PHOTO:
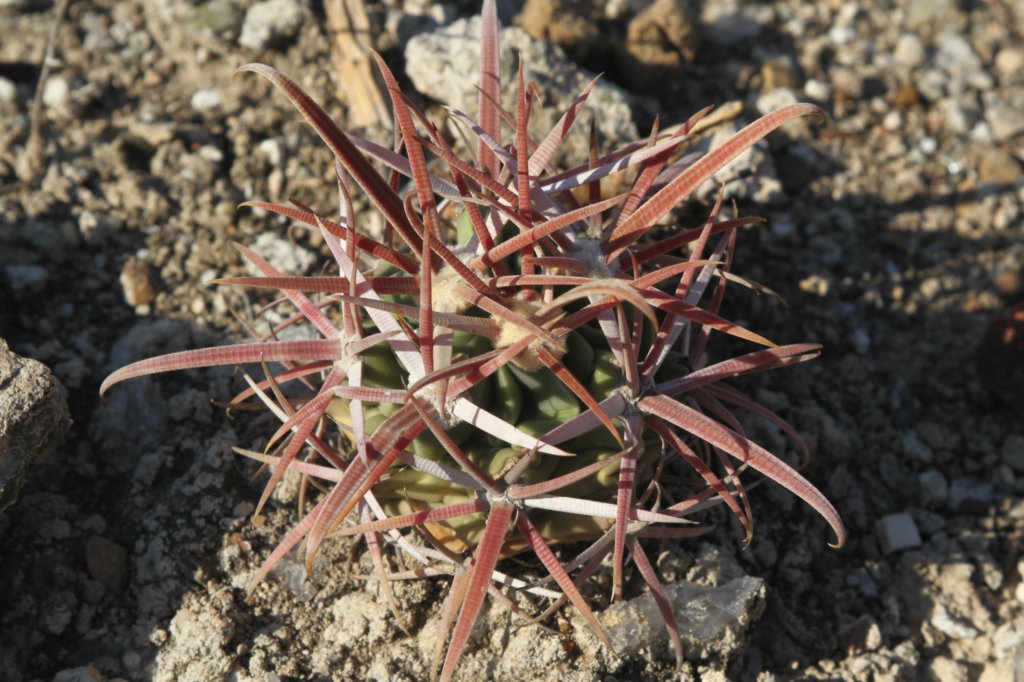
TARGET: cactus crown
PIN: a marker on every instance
(520, 362)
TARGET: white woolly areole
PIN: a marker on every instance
(510, 333)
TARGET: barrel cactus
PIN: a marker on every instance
(519, 365)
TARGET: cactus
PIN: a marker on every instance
(518, 365)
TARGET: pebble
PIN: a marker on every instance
(862, 580)
(731, 22)
(932, 84)
(815, 284)
(909, 51)
(897, 532)
(1004, 113)
(85, 673)
(708, 617)
(286, 256)
(24, 278)
(847, 81)
(1009, 64)
(957, 118)
(107, 563)
(216, 16)
(207, 101)
(952, 627)
(57, 95)
(861, 340)
(272, 24)
(136, 284)
(970, 496)
(998, 166)
(955, 56)
(920, 14)
(58, 610)
(861, 635)
(1012, 452)
(775, 99)
(8, 91)
(33, 419)
(817, 90)
(934, 488)
(944, 669)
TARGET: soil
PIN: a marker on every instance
(895, 234)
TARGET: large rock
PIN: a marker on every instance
(33, 419)
(710, 619)
(445, 66)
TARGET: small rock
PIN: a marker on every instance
(909, 51)
(952, 627)
(955, 56)
(932, 85)
(1009, 64)
(1009, 284)
(1012, 452)
(216, 16)
(272, 23)
(709, 618)
(1005, 121)
(817, 90)
(998, 166)
(58, 610)
(779, 72)
(862, 580)
(970, 496)
(892, 121)
(659, 41)
(916, 448)
(57, 95)
(775, 99)
(731, 22)
(85, 673)
(8, 91)
(444, 65)
(861, 635)
(136, 283)
(897, 532)
(24, 278)
(920, 14)
(847, 81)
(815, 284)
(934, 488)
(957, 118)
(207, 101)
(286, 256)
(942, 669)
(33, 419)
(570, 24)
(861, 340)
(107, 562)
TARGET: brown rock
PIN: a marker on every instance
(136, 283)
(659, 41)
(906, 96)
(570, 24)
(107, 562)
(998, 166)
(33, 419)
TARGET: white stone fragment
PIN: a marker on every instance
(897, 532)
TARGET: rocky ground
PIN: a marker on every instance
(895, 233)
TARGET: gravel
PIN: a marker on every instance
(127, 553)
